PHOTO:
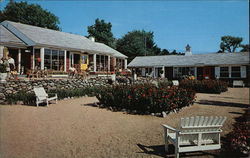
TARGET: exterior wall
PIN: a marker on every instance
(245, 80)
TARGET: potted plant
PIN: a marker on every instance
(3, 73)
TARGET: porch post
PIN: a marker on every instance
(33, 58)
(163, 74)
(154, 72)
(108, 63)
(125, 63)
(72, 61)
(19, 61)
(65, 60)
(42, 58)
(94, 58)
(1, 51)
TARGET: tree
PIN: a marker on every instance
(165, 52)
(102, 32)
(31, 14)
(245, 48)
(137, 43)
(230, 43)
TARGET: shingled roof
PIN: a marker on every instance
(9, 39)
(192, 60)
(109, 49)
(37, 36)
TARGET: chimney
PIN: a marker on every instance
(188, 50)
(92, 38)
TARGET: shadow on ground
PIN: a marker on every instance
(221, 103)
(159, 150)
(223, 97)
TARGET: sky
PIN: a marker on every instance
(199, 23)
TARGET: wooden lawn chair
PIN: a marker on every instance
(42, 96)
(195, 134)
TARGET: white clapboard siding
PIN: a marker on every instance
(243, 71)
(217, 71)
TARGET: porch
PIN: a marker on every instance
(59, 61)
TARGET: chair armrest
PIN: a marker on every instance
(203, 132)
(170, 128)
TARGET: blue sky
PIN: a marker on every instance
(174, 23)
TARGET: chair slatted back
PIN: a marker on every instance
(40, 93)
(201, 124)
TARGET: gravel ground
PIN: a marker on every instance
(72, 128)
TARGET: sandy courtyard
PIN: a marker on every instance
(73, 129)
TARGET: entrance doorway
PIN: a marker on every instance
(208, 72)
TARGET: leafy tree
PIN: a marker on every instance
(102, 32)
(245, 48)
(165, 52)
(137, 43)
(31, 14)
(230, 43)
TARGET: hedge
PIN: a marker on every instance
(145, 98)
(239, 138)
(30, 98)
(205, 86)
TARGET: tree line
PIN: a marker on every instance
(132, 44)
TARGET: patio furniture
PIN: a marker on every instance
(195, 134)
(33, 73)
(82, 75)
(42, 96)
(239, 83)
(175, 83)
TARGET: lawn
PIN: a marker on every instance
(75, 128)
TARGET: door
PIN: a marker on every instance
(207, 73)
(199, 73)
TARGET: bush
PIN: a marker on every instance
(145, 98)
(239, 138)
(205, 86)
(30, 98)
(26, 98)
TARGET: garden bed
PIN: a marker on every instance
(205, 86)
(145, 98)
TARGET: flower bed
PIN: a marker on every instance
(239, 138)
(205, 86)
(145, 98)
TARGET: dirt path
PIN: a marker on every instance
(73, 129)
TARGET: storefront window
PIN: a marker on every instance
(54, 59)
(37, 59)
(47, 58)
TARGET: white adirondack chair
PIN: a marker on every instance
(195, 134)
(175, 82)
(42, 96)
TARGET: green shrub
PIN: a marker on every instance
(205, 86)
(30, 98)
(238, 141)
(26, 98)
(145, 98)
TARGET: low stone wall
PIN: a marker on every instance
(12, 87)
